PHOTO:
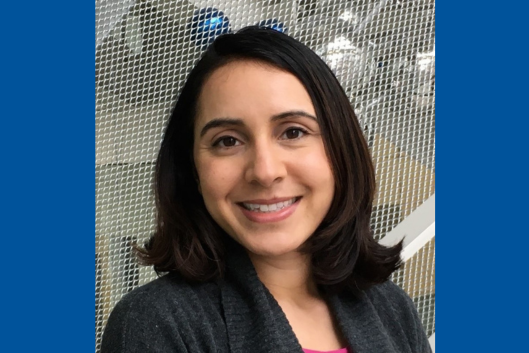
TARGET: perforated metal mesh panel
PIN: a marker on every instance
(383, 52)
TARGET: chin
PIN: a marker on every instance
(274, 247)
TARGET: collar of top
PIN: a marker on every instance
(256, 323)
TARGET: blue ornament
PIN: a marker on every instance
(274, 24)
(207, 24)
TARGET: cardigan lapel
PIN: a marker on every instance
(359, 322)
(256, 323)
(254, 320)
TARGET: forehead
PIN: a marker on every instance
(247, 89)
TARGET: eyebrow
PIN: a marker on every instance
(223, 122)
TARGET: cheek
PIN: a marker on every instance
(217, 179)
(316, 170)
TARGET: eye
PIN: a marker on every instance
(226, 142)
(293, 133)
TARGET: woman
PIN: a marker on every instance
(264, 189)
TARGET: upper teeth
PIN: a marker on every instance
(268, 208)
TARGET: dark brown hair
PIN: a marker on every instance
(189, 242)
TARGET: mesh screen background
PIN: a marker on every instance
(383, 53)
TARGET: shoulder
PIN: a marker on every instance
(165, 296)
(168, 291)
(398, 314)
(388, 295)
(156, 316)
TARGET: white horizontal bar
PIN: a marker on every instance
(416, 229)
(431, 340)
(413, 246)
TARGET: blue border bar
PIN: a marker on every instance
(481, 191)
(48, 177)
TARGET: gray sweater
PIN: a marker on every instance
(238, 314)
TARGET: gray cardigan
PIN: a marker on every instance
(239, 315)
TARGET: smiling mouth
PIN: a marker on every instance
(269, 208)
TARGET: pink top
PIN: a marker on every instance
(343, 350)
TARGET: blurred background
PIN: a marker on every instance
(383, 53)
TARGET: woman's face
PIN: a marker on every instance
(262, 167)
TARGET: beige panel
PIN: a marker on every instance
(401, 180)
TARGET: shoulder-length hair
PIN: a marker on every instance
(187, 239)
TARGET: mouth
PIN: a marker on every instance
(267, 207)
(267, 211)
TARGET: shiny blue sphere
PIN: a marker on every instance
(274, 24)
(207, 24)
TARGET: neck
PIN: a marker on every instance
(287, 277)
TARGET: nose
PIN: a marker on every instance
(266, 165)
